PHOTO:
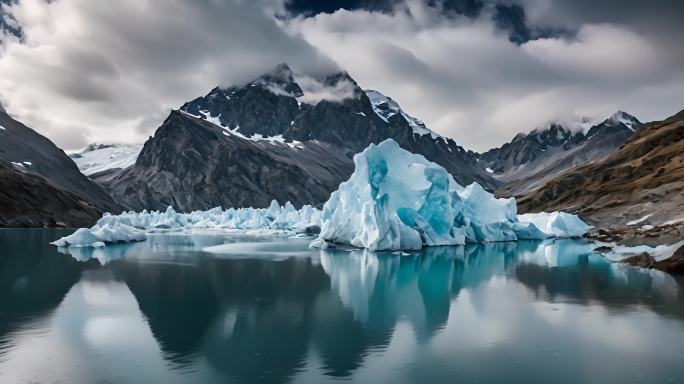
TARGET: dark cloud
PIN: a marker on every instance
(314, 7)
(659, 19)
(507, 16)
(9, 27)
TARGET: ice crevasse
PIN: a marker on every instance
(397, 200)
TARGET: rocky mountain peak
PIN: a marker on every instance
(279, 80)
(386, 108)
(245, 145)
(530, 158)
(624, 118)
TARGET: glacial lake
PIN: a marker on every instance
(267, 309)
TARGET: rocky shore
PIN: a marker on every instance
(650, 235)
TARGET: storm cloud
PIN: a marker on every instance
(477, 71)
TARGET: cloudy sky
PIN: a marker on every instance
(479, 71)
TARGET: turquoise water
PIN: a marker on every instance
(268, 309)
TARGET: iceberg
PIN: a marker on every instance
(556, 224)
(98, 236)
(132, 226)
(397, 200)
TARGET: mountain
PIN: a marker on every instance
(29, 152)
(642, 180)
(530, 160)
(97, 158)
(245, 145)
(30, 200)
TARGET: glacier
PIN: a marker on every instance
(98, 158)
(132, 226)
(394, 200)
(397, 200)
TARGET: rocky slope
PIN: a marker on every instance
(530, 160)
(29, 152)
(29, 200)
(245, 145)
(642, 183)
(193, 164)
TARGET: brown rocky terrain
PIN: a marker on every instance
(642, 182)
(673, 264)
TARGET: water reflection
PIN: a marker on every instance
(441, 314)
(29, 287)
(160, 247)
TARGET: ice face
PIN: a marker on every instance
(393, 200)
(396, 200)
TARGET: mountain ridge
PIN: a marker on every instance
(530, 159)
(622, 187)
(267, 123)
(29, 152)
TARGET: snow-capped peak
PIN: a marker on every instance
(385, 107)
(621, 117)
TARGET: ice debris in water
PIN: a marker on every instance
(559, 224)
(98, 236)
(397, 200)
(131, 226)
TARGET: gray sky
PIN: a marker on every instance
(88, 71)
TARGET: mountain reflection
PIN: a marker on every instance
(242, 315)
(258, 319)
(30, 288)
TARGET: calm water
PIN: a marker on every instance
(268, 309)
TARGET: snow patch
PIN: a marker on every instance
(675, 221)
(660, 252)
(257, 137)
(641, 220)
(385, 107)
(108, 157)
(489, 170)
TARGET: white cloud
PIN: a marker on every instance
(110, 71)
(316, 90)
(466, 80)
